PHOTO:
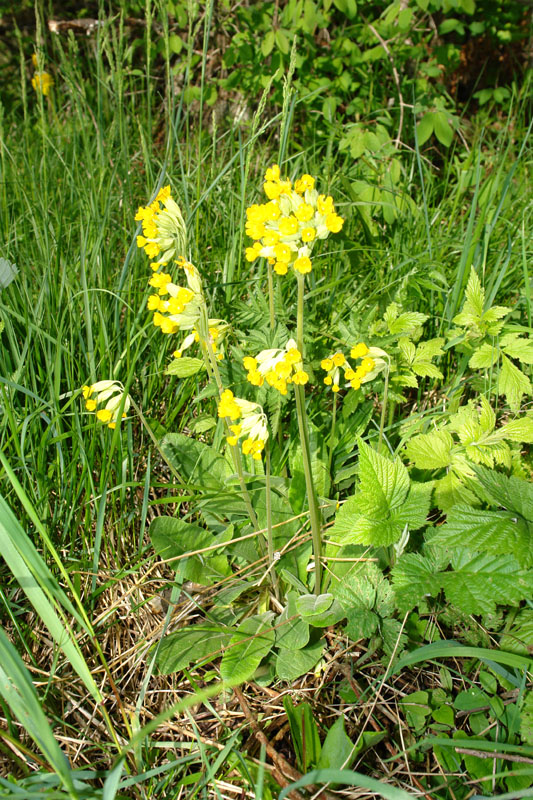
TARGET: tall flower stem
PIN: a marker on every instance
(212, 367)
(270, 537)
(332, 432)
(384, 407)
(303, 429)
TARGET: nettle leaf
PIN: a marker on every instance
(430, 450)
(384, 483)
(385, 504)
(407, 322)
(479, 582)
(251, 642)
(513, 384)
(519, 638)
(484, 357)
(407, 350)
(489, 531)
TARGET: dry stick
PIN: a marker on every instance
(281, 765)
(483, 754)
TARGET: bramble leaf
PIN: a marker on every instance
(480, 581)
(430, 450)
(513, 384)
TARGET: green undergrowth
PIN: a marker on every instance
(110, 615)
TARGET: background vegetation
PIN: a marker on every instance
(415, 115)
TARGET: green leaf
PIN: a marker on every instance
(197, 463)
(8, 273)
(512, 493)
(292, 632)
(192, 644)
(291, 664)
(513, 384)
(172, 538)
(416, 708)
(443, 129)
(478, 582)
(486, 531)
(484, 357)
(413, 577)
(314, 604)
(304, 733)
(430, 450)
(184, 367)
(337, 750)
(251, 642)
(267, 45)
(384, 483)
(515, 346)
(424, 128)
(519, 430)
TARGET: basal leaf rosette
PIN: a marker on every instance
(106, 398)
(286, 228)
(277, 366)
(247, 422)
(340, 369)
(164, 235)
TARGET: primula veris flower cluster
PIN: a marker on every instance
(105, 397)
(286, 228)
(176, 307)
(337, 366)
(248, 422)
(278, 367)
(164, 234)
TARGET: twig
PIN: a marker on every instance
(282, 770)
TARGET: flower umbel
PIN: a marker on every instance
(248, 422)
(176, 307)
(338, 367)
(105, 398)
(286, 228)
(278, 367)
(164, 231)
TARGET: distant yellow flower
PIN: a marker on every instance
(252, 424)
(42, 82)
(337, 366)
(277, 366)
(164, 230)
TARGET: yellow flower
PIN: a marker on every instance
(308, 234)
(278, 366)
(338, 359)
(334, 223)
(42, 82)
(283, 253)
(359, 350)
(106, 398)
(288, 225)
(304, 183)
(252, 423)
(303, 264)
(304, 212)
(281, 268)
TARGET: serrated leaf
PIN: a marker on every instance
(487, 531)
(450, 490)
(407, 349)
(430, 450)
(197, 463)
(394, 640)
(513, 384)
(484, 357)
(384, 483)
(251, 642)
(406, 322)
(184, 367)
(291, 664)
(517, 347)
(413, 577)
(192, 644)
(512, 493)
(519, 430)
(479, 582)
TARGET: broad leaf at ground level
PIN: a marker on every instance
(251, 642)
(194, 643)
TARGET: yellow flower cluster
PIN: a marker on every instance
(337, 365)
(164, 231)
(278, 367)
(176, 307)
(286, 228)
(252, 423)
(108, 395)
(42, 82)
